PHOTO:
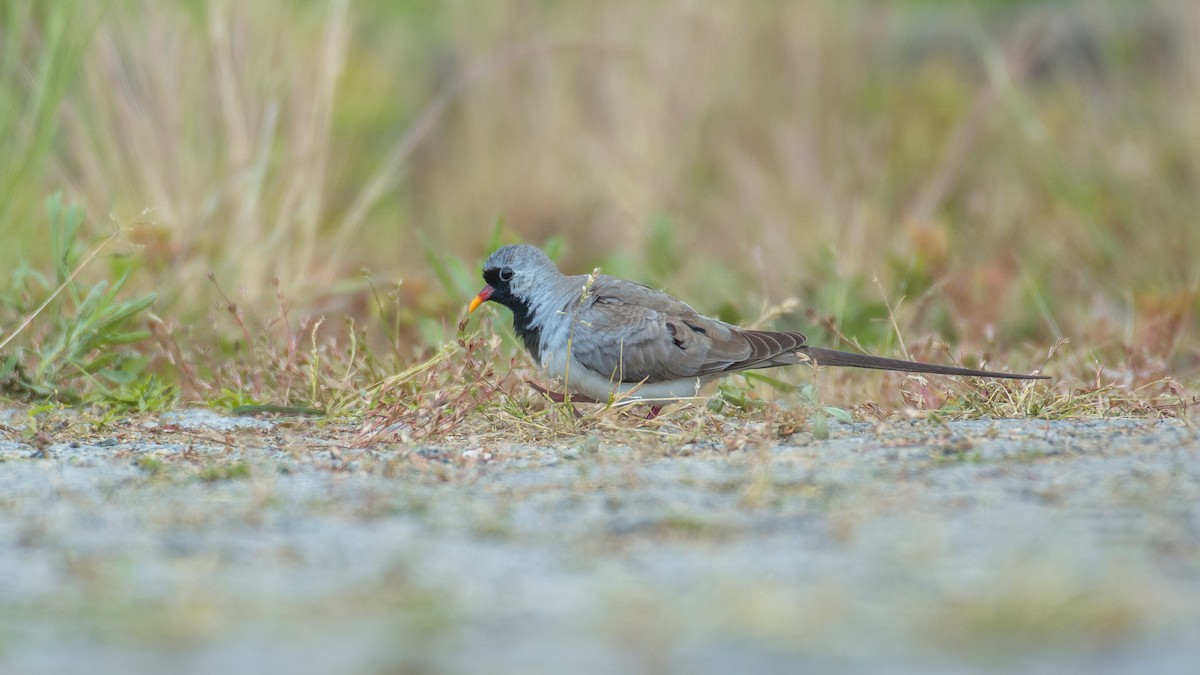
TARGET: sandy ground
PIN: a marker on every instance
(201, 544)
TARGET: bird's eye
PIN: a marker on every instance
(506, 274)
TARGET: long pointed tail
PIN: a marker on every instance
(832, 357)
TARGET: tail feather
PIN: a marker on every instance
(832, 357)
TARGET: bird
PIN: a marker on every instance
(608, 339)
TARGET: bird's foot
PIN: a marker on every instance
(557, 397)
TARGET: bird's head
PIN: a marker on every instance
(513, 274)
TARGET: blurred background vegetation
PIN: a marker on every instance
(998, 175)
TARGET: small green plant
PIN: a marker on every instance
(821, 413)
(220, 471)
(230, 399)
(146, 393)
(75, 337)
(151, 465)
(735, 392)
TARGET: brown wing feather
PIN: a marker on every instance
(768, 348)
(639, 334)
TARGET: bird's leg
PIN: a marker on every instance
(552, 395)
(557, 397)
(654, 410)
(560, 398)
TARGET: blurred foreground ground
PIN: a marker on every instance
(194, 544)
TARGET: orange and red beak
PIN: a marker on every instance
(480, 299)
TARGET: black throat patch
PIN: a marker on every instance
(523, 315)
(530, 334)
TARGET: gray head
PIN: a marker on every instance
(514, 274)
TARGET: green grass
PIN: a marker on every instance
(82, 332)
(222, 471)
(255, 216)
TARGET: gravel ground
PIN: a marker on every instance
(201, 544)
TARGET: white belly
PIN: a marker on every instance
(580, 380)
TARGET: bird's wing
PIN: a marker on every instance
(630, 333)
